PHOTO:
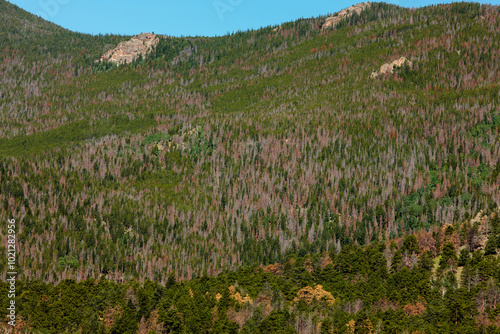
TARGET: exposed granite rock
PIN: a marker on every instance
(389, 67)
(127, 52)
(345, 13)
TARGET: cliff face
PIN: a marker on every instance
(345, 13)
(127, 52)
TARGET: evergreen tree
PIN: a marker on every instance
(127, 323)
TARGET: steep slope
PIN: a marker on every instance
(36, 39)
(38, 58)
(407, 285)
(214, 153)
(274, 152)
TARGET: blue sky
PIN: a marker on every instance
(184, 17)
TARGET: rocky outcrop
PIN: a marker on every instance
(308, 294)
(345, 13)
(389, 67)
(127, 52)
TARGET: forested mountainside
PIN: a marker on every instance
(222, 153)
(445, 282)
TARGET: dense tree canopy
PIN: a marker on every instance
(149, 194)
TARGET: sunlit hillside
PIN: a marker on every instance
(296, 146)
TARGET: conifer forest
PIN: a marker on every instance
(301, 178)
